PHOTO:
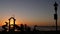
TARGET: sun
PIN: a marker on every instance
(11, 21)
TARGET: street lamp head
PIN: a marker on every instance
(55, 5)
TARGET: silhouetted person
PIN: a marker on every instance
(4, 26)
(35, 28)
(27, 28)
(22, 28)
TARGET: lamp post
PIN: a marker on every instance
(55, 15)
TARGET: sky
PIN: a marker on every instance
(30, 12)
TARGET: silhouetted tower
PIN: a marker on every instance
(55, 15)
(13, 23)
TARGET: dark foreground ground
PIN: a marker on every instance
(40, 32)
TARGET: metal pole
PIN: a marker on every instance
(56, 25)
(55, 15)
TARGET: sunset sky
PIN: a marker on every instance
(30, 12)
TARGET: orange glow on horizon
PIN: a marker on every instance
(25, 22)
(19, 21)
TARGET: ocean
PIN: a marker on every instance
(47, 28)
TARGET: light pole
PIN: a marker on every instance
(55, 15)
